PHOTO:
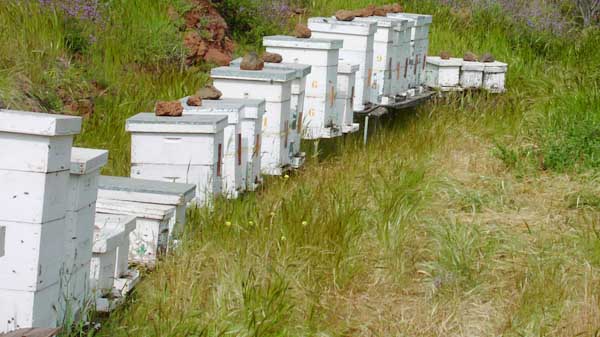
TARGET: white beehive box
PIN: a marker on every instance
(25, 309)
(79, 231)
(345, 96)
(234, 158)
(494, 76)
(319, 115)
(254, 110)
(402, 52)
(149, 191)
(297, 102)
(104, 260)
(443, 74)
(419, 44)
(272, 85)
(359, 38)
(471, 75)
(385, 58)
(34, 255)
(126, 224)
(186, 149)
(2, 240)
(150, 237)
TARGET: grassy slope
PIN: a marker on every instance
(445, 224)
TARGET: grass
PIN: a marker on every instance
(474, 215)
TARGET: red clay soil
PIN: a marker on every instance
(206, 35)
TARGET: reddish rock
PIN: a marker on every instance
(251, 61)
(168, 109)
(487, 58)
(209, 92)
(194, 101)
(272, 57)
(397, 8)
(380, 11)
(302, 31)
(344, 15)
(218, 57)
(445, 55)
(470, 57)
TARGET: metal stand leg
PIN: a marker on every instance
(366, 131)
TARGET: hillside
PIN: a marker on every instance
(473, 215)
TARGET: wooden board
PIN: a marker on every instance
(33, 332)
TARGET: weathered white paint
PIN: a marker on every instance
(76, 296)
(146, 191)
(471, 75)
(359, 38)
(150, 237)
(36, 153)
(103, 263)
(345, 95)
(2, 240)
(420, 24)
(274, 146)
(125, 224)
(36, 123)
(443, 74)
(79, 231)
(320, 84)
(34, 255)
(83, 179)
(494, 76)
(25, 309)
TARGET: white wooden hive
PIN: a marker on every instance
(494, 76)
(315, 52)
(126, 224)
(471, 75)
(345, 96)
(25, 309)
(443, 74)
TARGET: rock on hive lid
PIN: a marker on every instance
(252, 107)
(285, 41)
(149, 122)
(233, 111)
(382, 21)
(35, 123)
(266, 75)
(84, 160)
(302, 70)
(452, 62)
(347, 68)
(329, 25)
(148, 191)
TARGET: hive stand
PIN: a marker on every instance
(443, 74)
(187, 149)
(359, 39)
(274, 86)
(419, 45)
(345, 96)
(251, 125)
(34, 172)
(234, 156)
(384, 58)
(321, 119)
(297, 158)
(150, 192)
(81, 210)
(471, 75)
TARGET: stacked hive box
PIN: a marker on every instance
(274, 86)
(401, 50)
(321, 120)
(254, 110)
(110, 260)
(443, 74)
(34, 174)
(81, 210)
(186, 149)
(151, 192)
(346, 82)
(419, 44)
(234, 156)
(494, 76)
(297, 106)
(359, 38)
(471, 75)
(384, 58)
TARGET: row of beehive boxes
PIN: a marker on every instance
(67, 234)
(457, 74)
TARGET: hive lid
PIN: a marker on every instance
(36, 123)
(84, 161)
(495, 67)
(149, 122)
(473, 66)
(266, 75)
(107, 239)
(253, 108)
(125, 223)
(137, 209)
(147, 191)
(285, 41)
(233, 111)
(329, 25)
(452, 62)
(347, 68)
(302, 70)
(382, 21)
(420, 19)
(408, 21)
